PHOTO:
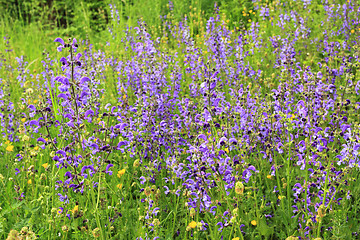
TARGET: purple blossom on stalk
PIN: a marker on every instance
(107, 169)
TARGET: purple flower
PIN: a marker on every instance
(34, 122)
(41, 140)
(84, 79)
(63, 198)
(61, 41)
(142, 179)
(107, 169)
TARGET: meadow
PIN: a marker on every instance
(180, 119)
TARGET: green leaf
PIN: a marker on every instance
(264, 229)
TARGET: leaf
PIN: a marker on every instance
(264, 229)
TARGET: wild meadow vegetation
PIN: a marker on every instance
(179, 119)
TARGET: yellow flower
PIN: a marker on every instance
(281, 197)
(192, 224)
(76, 209)
(236, 238)
(45, 165)
(352, 30)
(23, 120)
(249, 20)
(124, 97)
(227, 150)
(10, 148)
(29, 181)
(119, 186)
(269, 177)
(36, 148)
(253, 222)
(121, 172)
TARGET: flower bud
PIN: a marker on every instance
(239, 188)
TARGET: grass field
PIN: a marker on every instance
(179, 119)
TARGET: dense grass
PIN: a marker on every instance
(180, 120)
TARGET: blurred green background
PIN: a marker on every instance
(33, 24)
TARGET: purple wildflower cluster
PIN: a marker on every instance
(237, 127)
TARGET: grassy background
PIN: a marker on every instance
(33, 24)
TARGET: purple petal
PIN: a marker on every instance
(34, 122)
(41, 140)
(84, 79)
(78, 56)
(63, 95)
(59, 48)
(63, 153)
(59, 40)
(122, 143)
(89, 112)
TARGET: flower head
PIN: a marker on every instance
(60, 210)
(10, 148)
(192, 224)
(121, 172)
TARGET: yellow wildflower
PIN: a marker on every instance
(192, 224)
(76, 209)
(253, 222)
(119, 186)
(23, 120)
(269, 177)
(29, 181)
(236, 238)
(45, 165)
(10, 148)
(36, 148)
(121, 172)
